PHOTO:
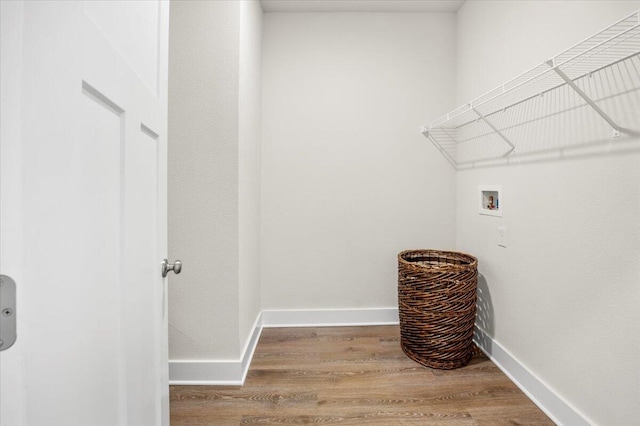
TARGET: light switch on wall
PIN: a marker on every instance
(502, 236)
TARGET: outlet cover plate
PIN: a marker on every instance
(502, 236)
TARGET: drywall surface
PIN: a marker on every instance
(203, 179)
(562, 297)
(250, 108)
(347, 179)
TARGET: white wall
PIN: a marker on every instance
(203, 179)
(214, 177)
(563, 296)
(347, 179)
(250, 126)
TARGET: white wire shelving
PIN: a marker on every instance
(616, 43)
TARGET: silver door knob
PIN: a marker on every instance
(176, 267)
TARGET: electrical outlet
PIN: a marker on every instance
(502, 236)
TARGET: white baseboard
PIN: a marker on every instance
(560, 412)
(205, 372)
(216, 372)
(329, 317)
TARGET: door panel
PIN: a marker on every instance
(91, 144)
(145, 298)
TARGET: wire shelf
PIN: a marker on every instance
(475, 120)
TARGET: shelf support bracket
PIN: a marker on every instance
(583, 95)
(495, 129)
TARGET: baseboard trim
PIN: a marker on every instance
(554, 406)
(250, 346)
(329, 317)
(216, 372)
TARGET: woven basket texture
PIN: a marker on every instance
(437, 306)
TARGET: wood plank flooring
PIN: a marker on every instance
(353, 376)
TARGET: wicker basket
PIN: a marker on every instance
(437, 304)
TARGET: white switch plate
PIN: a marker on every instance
(502, 236)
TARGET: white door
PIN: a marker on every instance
(83, 211)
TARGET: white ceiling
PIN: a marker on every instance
(361, 5)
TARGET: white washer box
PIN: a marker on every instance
(490, 200)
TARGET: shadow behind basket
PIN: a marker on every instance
(437, 306)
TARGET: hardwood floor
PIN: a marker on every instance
(353, 376)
